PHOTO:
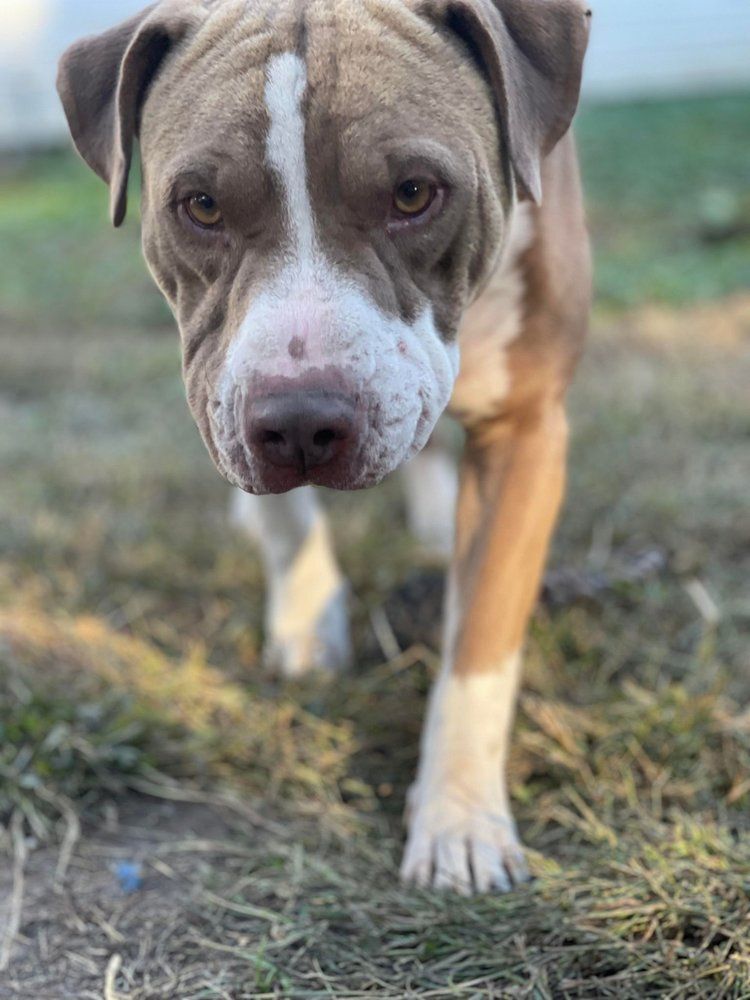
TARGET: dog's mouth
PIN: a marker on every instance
(285, 482)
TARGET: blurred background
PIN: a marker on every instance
(134, 714)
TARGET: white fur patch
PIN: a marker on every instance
(461, 832)
(307, 622)
(402, 374)
(489, 327)
(286, 83)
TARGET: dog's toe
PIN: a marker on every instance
(488, 867)
(417, 866)
(452, 872)
(466, 852)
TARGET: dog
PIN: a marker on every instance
(363, 213)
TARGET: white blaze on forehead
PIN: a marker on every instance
(286, 83)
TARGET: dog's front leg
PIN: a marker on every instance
(307, 624)
(461, 831)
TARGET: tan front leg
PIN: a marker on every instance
(461, 830)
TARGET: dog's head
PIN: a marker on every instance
(326, 185)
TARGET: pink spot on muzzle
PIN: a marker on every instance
(296, 348)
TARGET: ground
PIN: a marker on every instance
(260, 823)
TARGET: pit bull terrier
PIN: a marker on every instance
(363, 212)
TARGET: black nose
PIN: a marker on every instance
(301, 430)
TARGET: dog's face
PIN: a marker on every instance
(314, 228)
(325, 186)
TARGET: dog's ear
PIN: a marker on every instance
(102, 82)
(532, 52)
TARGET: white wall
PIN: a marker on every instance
(649, 47)
(33, 33)
(639, 48)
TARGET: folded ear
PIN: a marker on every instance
(532, 51)
(102, 82)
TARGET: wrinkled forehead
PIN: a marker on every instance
(373, 69)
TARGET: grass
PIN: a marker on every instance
(136, 724)
(665, 180)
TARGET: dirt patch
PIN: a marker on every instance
(128, 902)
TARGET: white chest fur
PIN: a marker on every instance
(490, 325)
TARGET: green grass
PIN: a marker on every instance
(659, 176)
(61, 264)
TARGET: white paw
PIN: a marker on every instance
(462, 847)
(296, 646)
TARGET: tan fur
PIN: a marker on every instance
(518, 472)
(514, 460)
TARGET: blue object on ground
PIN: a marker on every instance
(130, 876)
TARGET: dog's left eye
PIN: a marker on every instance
(203, 210)
(413, 197)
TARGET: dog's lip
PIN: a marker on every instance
(333, 477)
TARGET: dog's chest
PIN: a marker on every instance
(489, 327)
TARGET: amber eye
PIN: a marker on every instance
(203, 210)
(414, 196)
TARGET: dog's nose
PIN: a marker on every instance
(302, 430)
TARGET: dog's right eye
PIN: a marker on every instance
(414, 197)
(203, 210)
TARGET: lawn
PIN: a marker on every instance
(259, 824)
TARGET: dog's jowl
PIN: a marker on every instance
(363, 212)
